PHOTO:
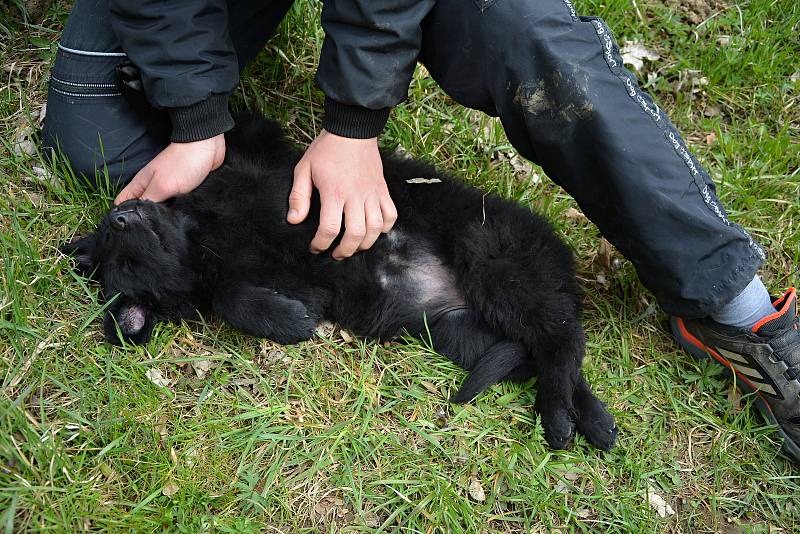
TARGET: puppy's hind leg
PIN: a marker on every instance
(463, 336)
(558, 363)
(592, 417)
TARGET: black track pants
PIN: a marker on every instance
(556, 81)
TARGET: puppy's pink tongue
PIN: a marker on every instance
(132, 319)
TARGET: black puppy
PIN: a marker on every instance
(486, 279)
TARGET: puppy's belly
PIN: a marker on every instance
(414, 282)
(425, 287)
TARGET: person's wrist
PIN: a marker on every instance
(354, 122)
(213, 149)
(353, 140)
(200, 121)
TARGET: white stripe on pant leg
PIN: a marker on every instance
(672, 135)
(90, 53)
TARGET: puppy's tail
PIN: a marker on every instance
(502, 361)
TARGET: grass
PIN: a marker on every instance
(346, 435)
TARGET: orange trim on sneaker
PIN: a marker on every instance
(783, 302)
(717, 356)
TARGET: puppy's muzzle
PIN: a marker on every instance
(122, 219)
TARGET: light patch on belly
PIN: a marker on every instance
(414, 273)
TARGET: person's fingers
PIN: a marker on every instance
(374, 222)
(136, 187)
(330, 222)
(388, 212)
(300, 197)
(159, 190)
(354, 230)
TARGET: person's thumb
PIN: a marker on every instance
(136, 187)
(300, 197)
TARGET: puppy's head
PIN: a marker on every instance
(140, 255)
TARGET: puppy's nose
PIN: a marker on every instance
(120, 219)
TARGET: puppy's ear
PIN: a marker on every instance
(82, 249)
(133, 321)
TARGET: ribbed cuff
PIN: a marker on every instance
(200, 121)
(354, 121)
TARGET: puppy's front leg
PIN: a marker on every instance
(264, 312)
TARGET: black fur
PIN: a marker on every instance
(486, 278)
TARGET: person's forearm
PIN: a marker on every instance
(192, 82)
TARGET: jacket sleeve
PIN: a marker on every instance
(186, 58)
(368, 58)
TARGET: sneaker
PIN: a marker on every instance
(765, 359)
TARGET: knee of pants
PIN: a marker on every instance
(507, 57)
(101, 138)
(92, 125)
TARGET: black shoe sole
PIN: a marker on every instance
(790, 448)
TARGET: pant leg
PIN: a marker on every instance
(566, 102)
(89, 120)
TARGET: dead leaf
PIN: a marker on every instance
(41, 114)
(735, 398)
(521, 165)
(794, 78)
(325, 329)
(372, 520)
(430, 387)
(574, 214)
(476, 490)
(712, 111)
(657, 503)
(634, 53)
(276, 356)
(22, 141)
(710, 138)
(402, 152)
(35, 198)
(169, 489)
(155, 376)
(724, 40)
(605, 253)
(691, 78)
(441, 417)
(423, 181)
(346, 337)
(44, 176)
(161, 428)
(201, 368)
(572, 476)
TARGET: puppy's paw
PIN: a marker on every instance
(298, 324)
(599, 428)
(594, 421)
(559, 429)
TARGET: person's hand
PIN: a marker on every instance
(348, 174)
(177, 169)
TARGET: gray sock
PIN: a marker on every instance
(752, 304)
